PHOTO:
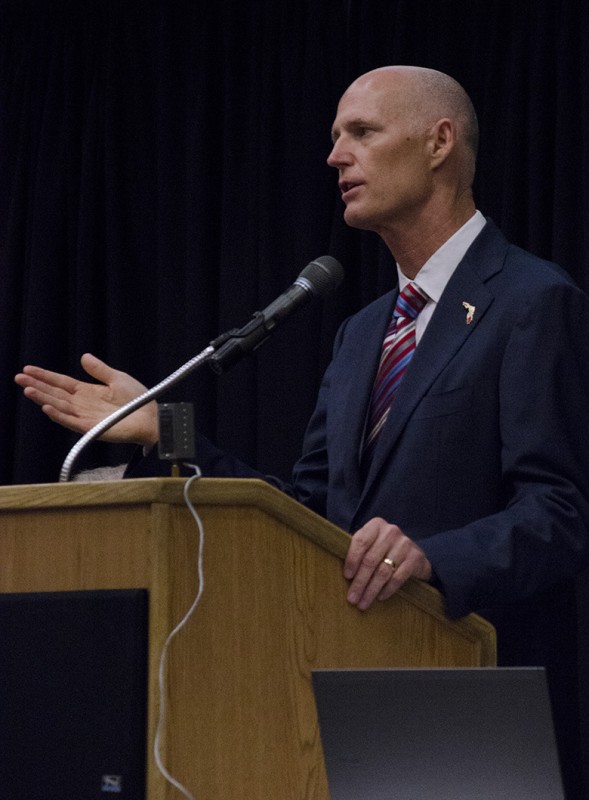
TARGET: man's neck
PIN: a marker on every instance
(412, 245)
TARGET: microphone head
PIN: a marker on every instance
(323, 275)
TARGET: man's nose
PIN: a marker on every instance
(338, 155)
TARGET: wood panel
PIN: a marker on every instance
(241, 719)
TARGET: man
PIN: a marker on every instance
(470, 471)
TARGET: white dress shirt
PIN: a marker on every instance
(438, 269)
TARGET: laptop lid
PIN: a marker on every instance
(443, 734)
(73, 669)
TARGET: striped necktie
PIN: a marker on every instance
(397, 351)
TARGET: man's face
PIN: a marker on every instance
(381, 152)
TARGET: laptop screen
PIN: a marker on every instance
(438, 734)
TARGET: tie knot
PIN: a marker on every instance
(410, 302)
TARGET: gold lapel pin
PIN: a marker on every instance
(469, 311)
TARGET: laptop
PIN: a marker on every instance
(73, 695)
(438, 734)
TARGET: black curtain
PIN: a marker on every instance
(163, 175)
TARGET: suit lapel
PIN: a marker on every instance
(360, 369)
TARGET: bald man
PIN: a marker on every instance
(446, 431)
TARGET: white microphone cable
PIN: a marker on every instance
(177, 629)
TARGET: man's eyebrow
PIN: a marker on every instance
(350, 124)
(357, 122)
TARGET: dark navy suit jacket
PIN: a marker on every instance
(484, 458)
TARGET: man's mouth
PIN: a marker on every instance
(346, 187)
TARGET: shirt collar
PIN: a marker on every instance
(437, 270)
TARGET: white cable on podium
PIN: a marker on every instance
(164, 655)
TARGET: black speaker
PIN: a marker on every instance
(73, 695)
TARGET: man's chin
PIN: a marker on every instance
(355, 219)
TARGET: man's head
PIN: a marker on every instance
(404, 142)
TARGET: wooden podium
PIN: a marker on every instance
(240, 719)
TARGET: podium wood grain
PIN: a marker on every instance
(240, 715)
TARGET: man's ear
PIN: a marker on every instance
(442, 138)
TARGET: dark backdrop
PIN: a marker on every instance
(162, 176)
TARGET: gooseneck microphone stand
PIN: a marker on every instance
(317, 279)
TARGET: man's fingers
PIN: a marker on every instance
(59, 401)
(360, 546)
(97, 369)
(43, 392)
(372, 580)
(400, 575)
(380, 559)
(66, 420)
(80, 405)
(40, 378)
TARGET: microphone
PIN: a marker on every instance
(319, 278)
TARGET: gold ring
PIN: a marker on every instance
(390, 563)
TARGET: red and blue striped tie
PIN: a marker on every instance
(398, 347)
